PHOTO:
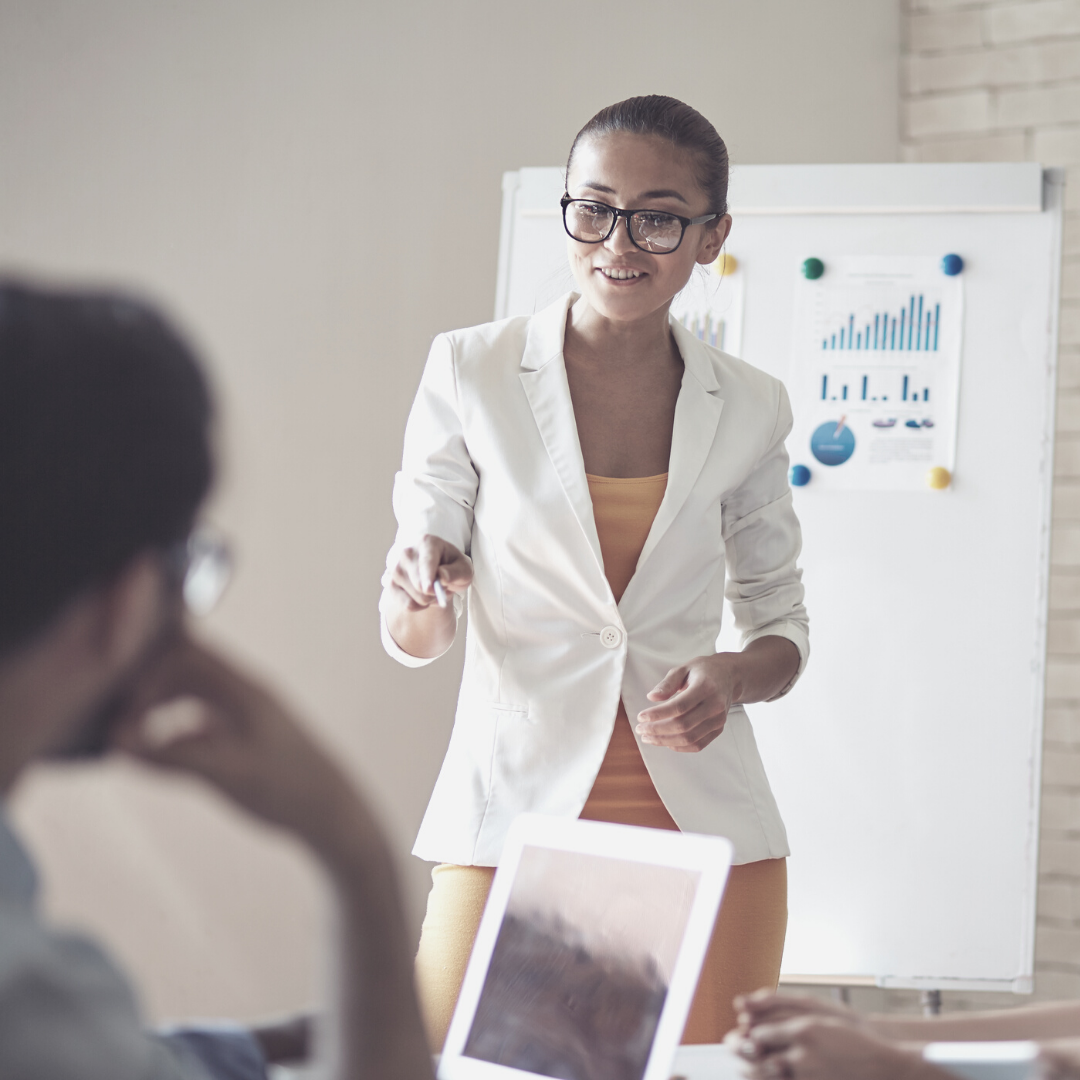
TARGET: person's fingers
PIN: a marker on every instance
(697, 710)
(418, 567)
(695, 738)
(703, 720)
(670, 684)
(759, 999)
(405, 578)
(676, 706)
(431, 553)
(772, 1037)
(767, 1006)
(750, 1006)
(457, 574)
(764, 1002)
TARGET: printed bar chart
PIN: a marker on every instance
(914, 328)
(705, 327)
(876, 344)
(903, 390)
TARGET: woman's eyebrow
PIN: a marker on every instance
(664, 193)
(659, 193)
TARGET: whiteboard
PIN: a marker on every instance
(906, 762)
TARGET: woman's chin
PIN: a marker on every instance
(626, 307)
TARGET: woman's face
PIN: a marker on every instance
(638, 172)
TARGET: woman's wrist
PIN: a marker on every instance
(729, 673)
(762, 670)
(425, 633)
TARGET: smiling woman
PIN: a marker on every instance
(590, 478)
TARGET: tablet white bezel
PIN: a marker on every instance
(710, 856)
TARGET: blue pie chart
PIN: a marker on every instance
(832, 444)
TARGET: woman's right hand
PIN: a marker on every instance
(418, 567)
(410, 604)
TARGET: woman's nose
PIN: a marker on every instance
(619, 241)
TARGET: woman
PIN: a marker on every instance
(584, 475)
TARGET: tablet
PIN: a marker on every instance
(588, 952)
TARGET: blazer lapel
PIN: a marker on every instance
(546, 387)
(697, 413)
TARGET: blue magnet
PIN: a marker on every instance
(813, 269)
(952, 265)
(800, 475)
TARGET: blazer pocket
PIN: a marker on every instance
(509, 713)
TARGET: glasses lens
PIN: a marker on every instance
(588, 221)
(208, 572)
(656, 232)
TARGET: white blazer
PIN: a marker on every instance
(493, 465)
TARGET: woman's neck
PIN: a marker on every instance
(593, 338)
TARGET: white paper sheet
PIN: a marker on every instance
(711, 308)
(875, 372)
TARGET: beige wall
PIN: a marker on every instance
(314, 188)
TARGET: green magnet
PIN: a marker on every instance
(813, 269)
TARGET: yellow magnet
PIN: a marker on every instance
(938, 478)
(726, 264)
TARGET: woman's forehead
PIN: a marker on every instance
(625, 163)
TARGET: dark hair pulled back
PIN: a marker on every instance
(686, 128)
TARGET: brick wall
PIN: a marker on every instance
(997, 80)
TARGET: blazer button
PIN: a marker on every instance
(611, 637)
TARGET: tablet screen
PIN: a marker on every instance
(581, 965)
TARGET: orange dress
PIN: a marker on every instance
(748, 941)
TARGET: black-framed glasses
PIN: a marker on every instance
(654, 231)
(202, 566)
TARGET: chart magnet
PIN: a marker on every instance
(799, 475)
(952, 265)
(813, 269)
(938, 478)
(726, 264)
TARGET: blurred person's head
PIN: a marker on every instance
(104, 461)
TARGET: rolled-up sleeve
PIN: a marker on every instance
(762, 540)
(435, 490)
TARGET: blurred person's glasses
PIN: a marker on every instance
(202, 566)
(650, 230)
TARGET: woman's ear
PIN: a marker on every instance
(713, 241)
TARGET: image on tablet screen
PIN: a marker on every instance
(581, 966)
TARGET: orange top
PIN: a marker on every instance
(624, 510)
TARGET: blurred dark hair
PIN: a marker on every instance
(655, 114)
(104, 445)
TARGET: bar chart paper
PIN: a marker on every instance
(711, 308)
(875, 372)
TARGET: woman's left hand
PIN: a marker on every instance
(696, 697)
